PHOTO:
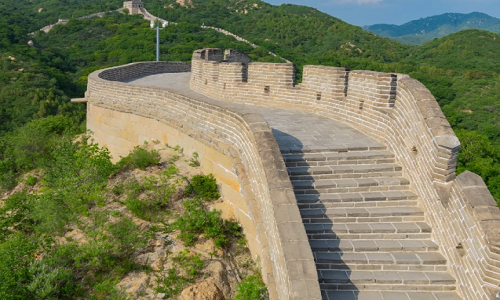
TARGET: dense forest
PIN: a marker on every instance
(40, 73)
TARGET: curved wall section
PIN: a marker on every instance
(400, 112)
(237, 146)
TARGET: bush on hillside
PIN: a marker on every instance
(140, 158)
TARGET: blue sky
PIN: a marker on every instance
(368, 12)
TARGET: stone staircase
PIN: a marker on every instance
(368, 235)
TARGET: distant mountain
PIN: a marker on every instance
(422, 30)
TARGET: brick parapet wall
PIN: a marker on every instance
(287, 261)
(468, 207)
(398, 111)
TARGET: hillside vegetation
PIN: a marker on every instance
(420, 31)
(55, 183)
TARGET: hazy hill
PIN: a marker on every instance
(425, 29)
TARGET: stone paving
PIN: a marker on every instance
(367, 233)
(293, 130)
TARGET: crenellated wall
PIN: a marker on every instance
(237, 146)
(400, 112)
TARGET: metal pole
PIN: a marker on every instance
(157, 42)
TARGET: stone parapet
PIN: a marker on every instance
(132, 71)
(400, 112)
(286, 258)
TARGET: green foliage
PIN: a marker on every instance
(251, 288)
(31, 146)
(31, 181)
(192, 264)
(193, 161)
(204, 187)
(157, 191)
(142, 208)
(482, 157)
(140, 158)
(16, 215)
(173, 283)
(197, 220)
(16, 255)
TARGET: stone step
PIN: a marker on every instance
(344, 172)
(357, 147)
(355, 197)
(398, 203)
(387, 188)
(365, 228)
(331, 159)
(348, 183)
(388, 295)
(409, 279)
(378, 245)
(417, 261)
(340, 169)
(346, 176)
(369, 236)
(387, 219)
(361, 212)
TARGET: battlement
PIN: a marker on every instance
(366, 99)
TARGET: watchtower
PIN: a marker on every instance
(133, 6)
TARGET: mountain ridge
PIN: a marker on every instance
(425, 29)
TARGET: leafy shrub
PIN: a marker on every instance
(20, 218)
(118, 189)
(31, 146)
(31, 181)
(192, 264)
(142, 209)
(251, 288)
(140, 158)
(193, 161)
(88, 270)
(204, 186)
(16, 254)
(196, 220)
(160, 188)
(173, 283)
(75, 181)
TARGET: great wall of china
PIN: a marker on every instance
(344, 184)
(136, 7)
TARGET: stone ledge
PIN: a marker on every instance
(482, 206)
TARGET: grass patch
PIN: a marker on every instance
(252, 288)
(140, 158)
(204, 187)
(174, 281)
(197, 220)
